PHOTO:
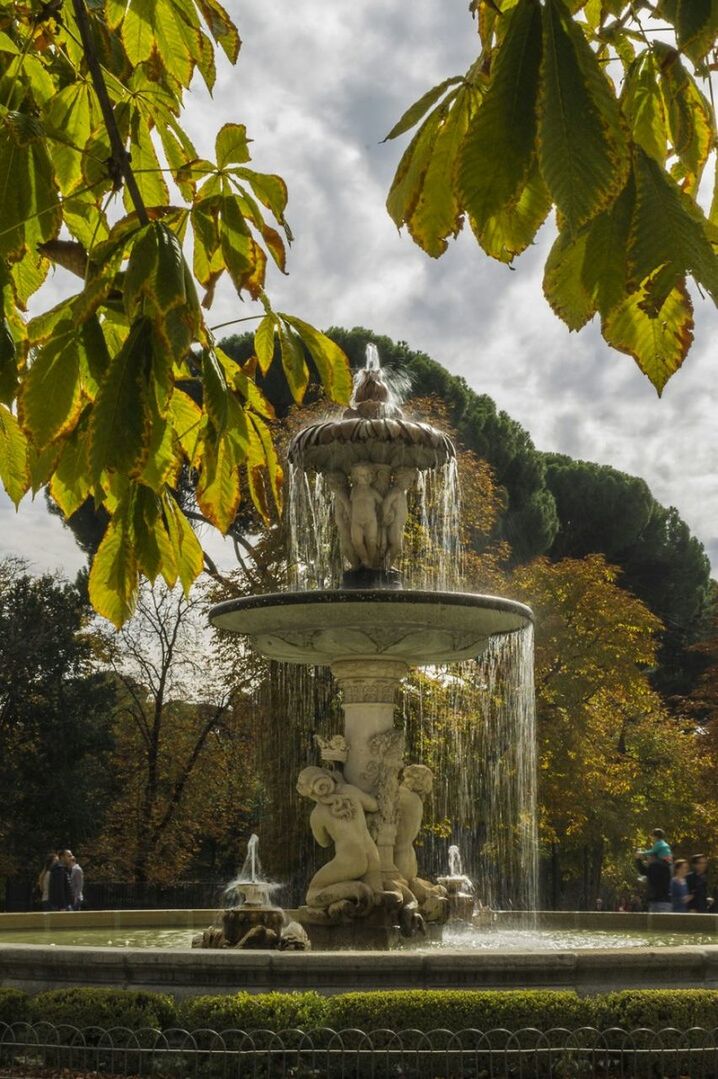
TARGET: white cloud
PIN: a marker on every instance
(318, 86)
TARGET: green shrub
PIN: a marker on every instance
(103, 1008)
(13, 1006)
(657, 1008)
(458, 1009)
(254, 1011)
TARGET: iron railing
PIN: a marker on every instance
(45, 1050)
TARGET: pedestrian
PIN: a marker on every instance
(59, 897)
(42, 885)
(660, 848)
(658, 877)
(680, 896)
(698, 884)
(77, 880)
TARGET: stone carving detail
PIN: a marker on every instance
(366, 503)
(381, 774)
(416, 785)
(377, 686)
(338, 485)
(347, 884)
(395, 512)
(335, 749)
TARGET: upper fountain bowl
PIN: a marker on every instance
(416, 628)
(394, 441)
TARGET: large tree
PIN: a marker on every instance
(55, 719)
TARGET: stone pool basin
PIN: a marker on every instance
(590, 952)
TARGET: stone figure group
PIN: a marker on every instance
(371, 512)
(353, 881)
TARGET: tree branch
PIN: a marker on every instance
(120, 160)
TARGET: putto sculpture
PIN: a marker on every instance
(368, 806)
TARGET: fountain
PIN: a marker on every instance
(459, 889)
(251, 920)
(367, 803)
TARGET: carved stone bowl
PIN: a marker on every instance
(419, 628)
(400, 443)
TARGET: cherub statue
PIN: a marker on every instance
(339, 486)
(365, 508)
(416, 784)
(354, 873)
(395, 512)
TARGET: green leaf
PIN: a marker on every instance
(8, 363)
(243, 257)
(185, 417)
(690, 119)
(71, 481)
(582, 145)
(70, 117)
(120, 424)
(438, 212)
(270, 463)
(221, 27)
(216, 393)
(500, 144)
(512, 230)
(231, 146)
(415, 112)
(293, 362)
(407, 183)
(218, 491)
(51, 399)
(329, 360)
(31, 212)
(696, 27)
(658, 342)
(642, 103)
(604, 268)
(668, 235)
(13, 456)
(145, 165)
(114, 575)
(187, 551)
(563, 280)
(264, 342)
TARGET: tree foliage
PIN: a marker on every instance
(55, 719)
(602, 109)
(112, 392)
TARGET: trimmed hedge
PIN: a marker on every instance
(418, 1009)
(458, 1009)
(14, 1006)
(104, 1008)
(255, 1011)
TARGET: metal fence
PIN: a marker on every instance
(49, 1051)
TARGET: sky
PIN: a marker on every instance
(318, 86)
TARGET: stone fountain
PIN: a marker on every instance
(367, 803)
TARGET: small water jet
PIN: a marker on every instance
(250, 919)
(459, 890)
(356, 475)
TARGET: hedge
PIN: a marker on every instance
(104, 1008)
(418, 1009)
(14, 1006)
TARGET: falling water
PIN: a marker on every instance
(474, 725)
(456, 866)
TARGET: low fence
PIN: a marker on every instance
(118, 895)
(46, 1050)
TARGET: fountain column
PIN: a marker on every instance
(375, 746)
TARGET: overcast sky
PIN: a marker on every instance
(318, 86)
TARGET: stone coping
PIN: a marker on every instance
(200, 918)
(189, 973)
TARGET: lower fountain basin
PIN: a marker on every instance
(418, 628)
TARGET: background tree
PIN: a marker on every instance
(121, 385)
(603, 110)
(55, 720)
(181, 745)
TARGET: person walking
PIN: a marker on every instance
(59, 889)
(77, 880)
(42, 885)
(697, 881)
(680, 896)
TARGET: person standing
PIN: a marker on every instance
(59, 888)
(680, 896)
(77, 880)
(698, 884)
(43, 882)
(658, 876)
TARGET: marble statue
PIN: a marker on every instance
(395, 512)
(339, 487)
(365, 508)
(417, 781)
(354, 873)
